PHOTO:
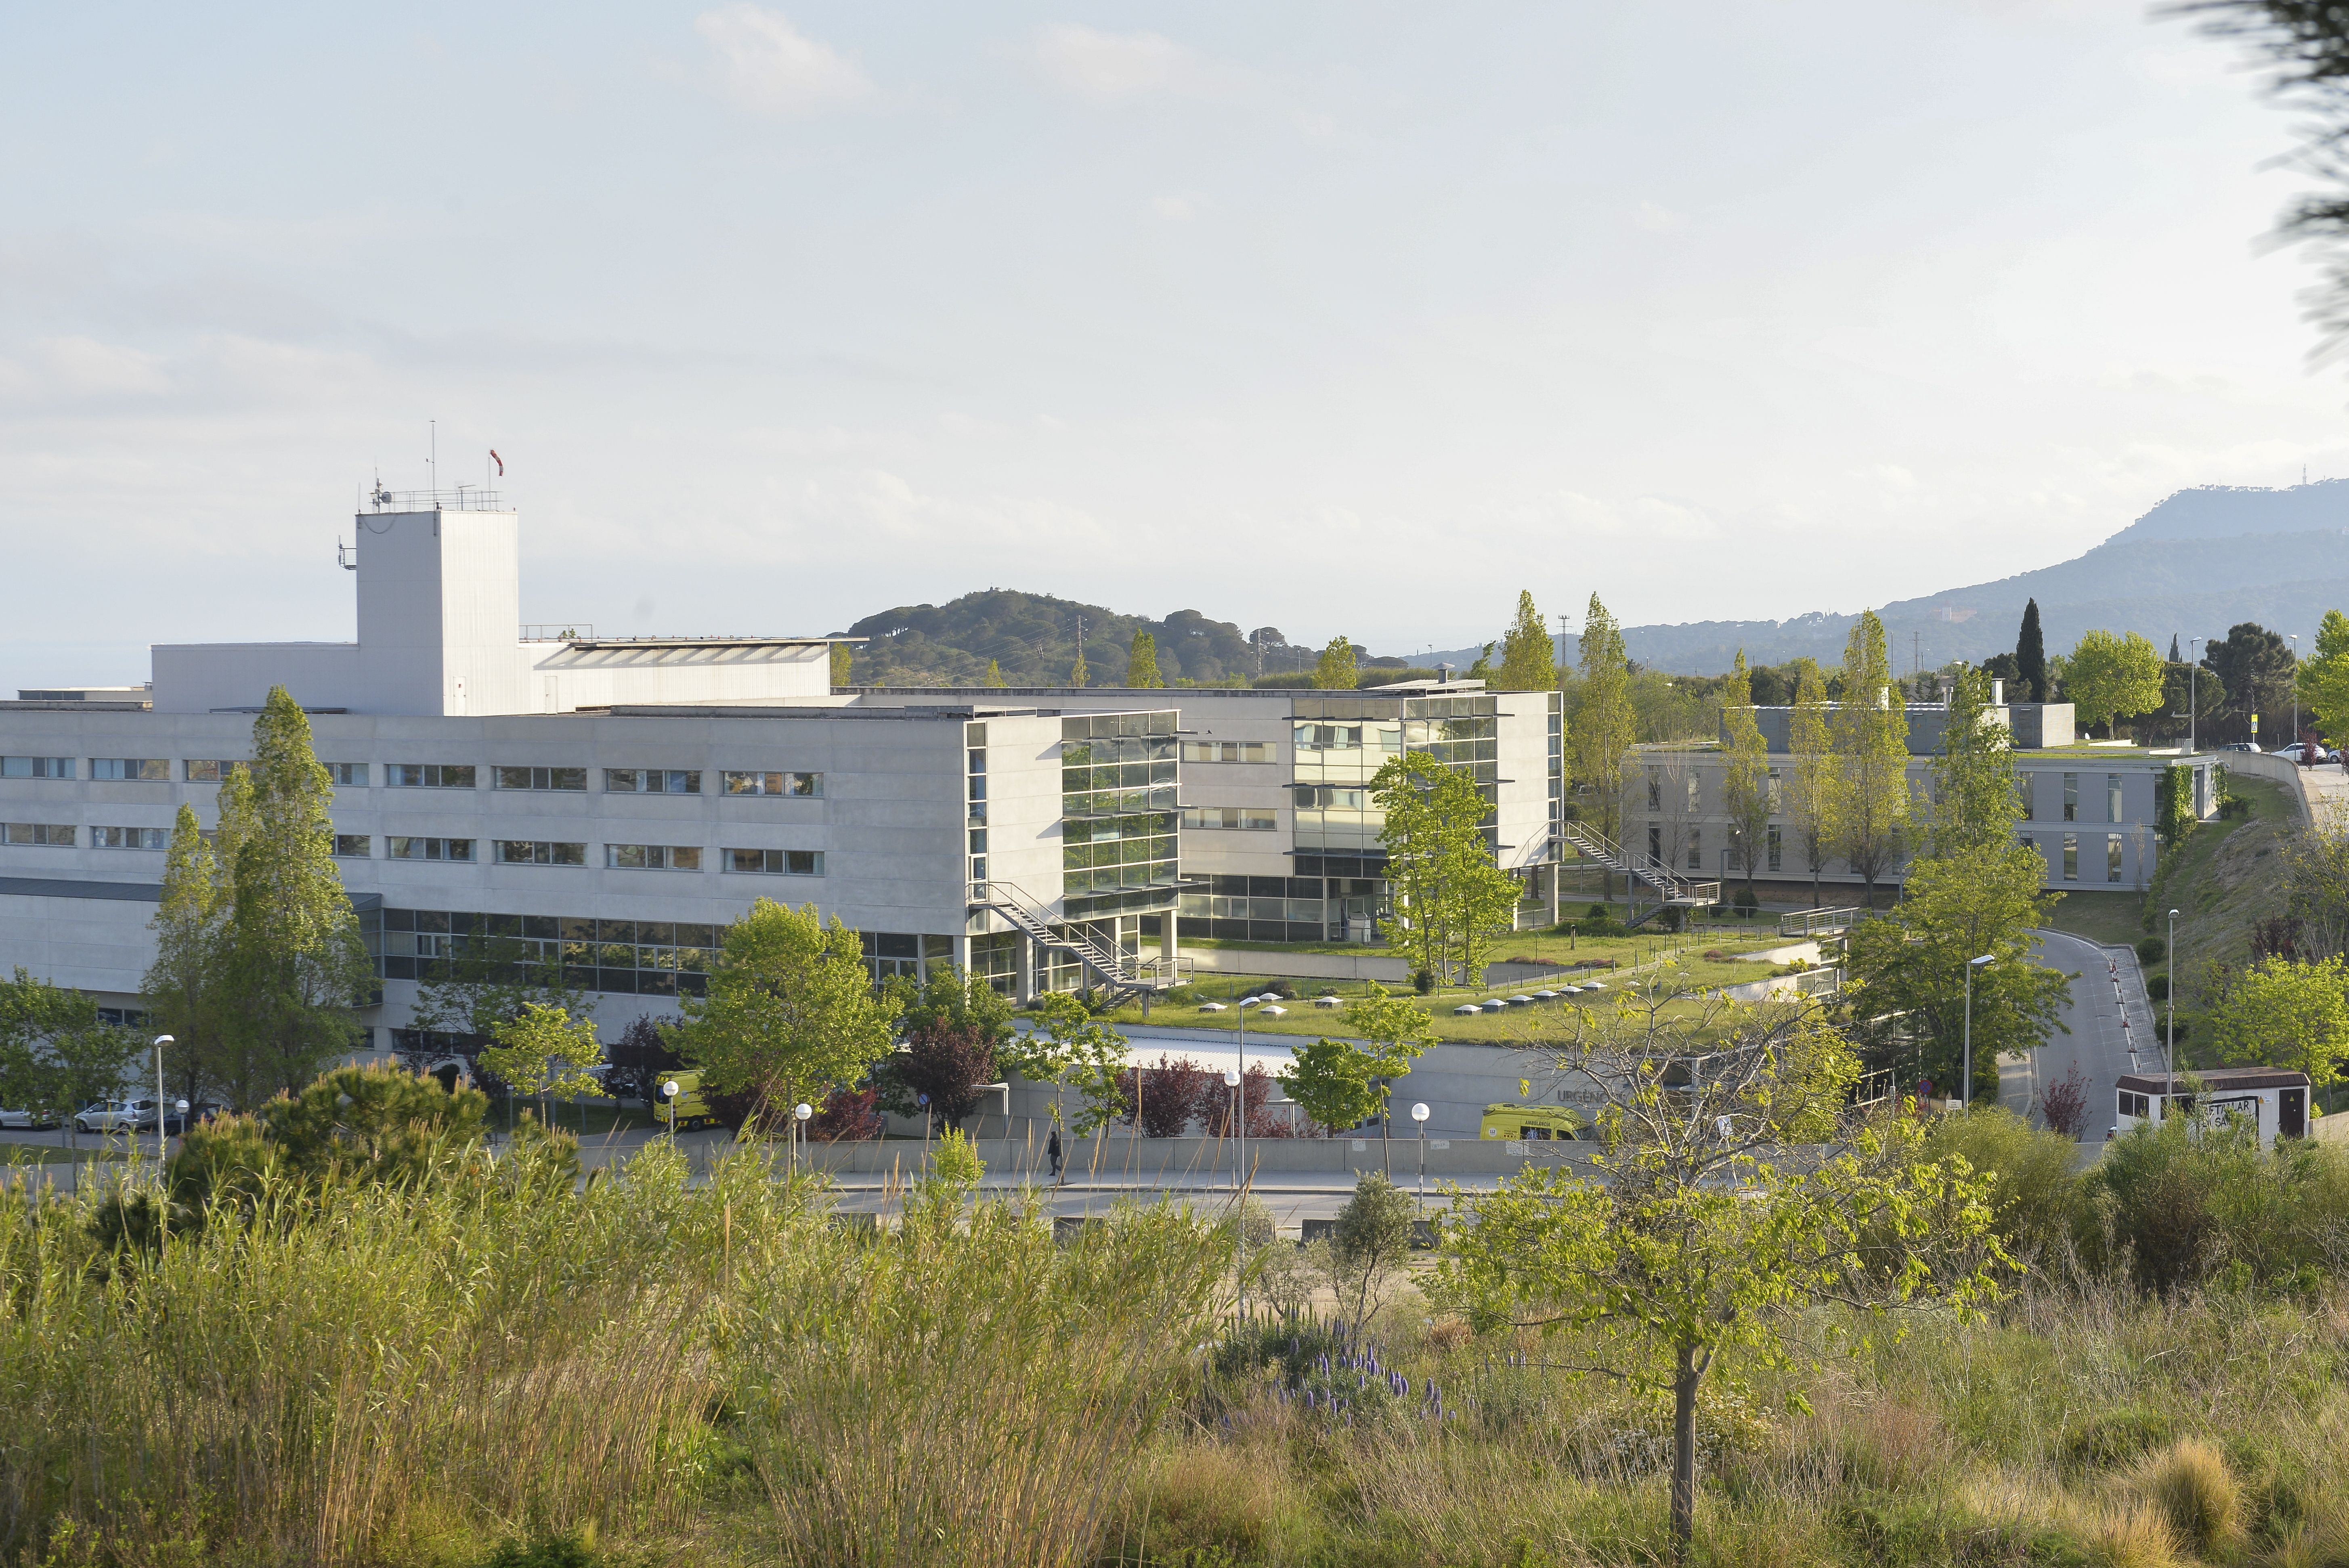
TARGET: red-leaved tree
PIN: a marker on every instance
(848, 1115)
(949, 1063)
(2065, 1103)
(1168, 1095)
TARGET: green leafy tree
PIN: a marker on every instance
(1745, 779)
(2324, 679)
(842, 658)
(2029, 657)
(1870, 799)
(1683, 1249)
(955, 1030)
(545, 1052)
(182, 988)
(1069, 1048)
(1369, 1245)
(1482, 669)
(1975, 802)
(2255, 666)
(1396, 1031)
(1907, 972)
(1334, 1082)
(1605, 724)
(994, 676)
(1337, 669)
(1810, 802)
(292, 968)
(1528, 658)
(1078, 676)
(1450, 896)
(56, 1057)
(2287, 1012)
(790, 1011)
(1142, 663)
(2109, 675)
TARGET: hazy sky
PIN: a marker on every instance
(1335, 317)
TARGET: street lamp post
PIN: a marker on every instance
(1231, 1082)
(800, 1114)
(2295, 689)
(1419, 1115)
(2169, 1019)
(1967, 1101)
(668, 1093)
(162, 1144)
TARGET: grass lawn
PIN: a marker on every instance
(2100, 916)
(15, 1153)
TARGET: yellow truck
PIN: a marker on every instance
(1517, 1122)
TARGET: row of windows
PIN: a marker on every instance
(2072, 798)
(440, 776)
(551, 852)
(1243, 816)
(1229, 751)
(2068, 850)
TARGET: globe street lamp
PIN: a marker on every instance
(1419, 1115)
(1967, 1101)
(162, 1149)
(668, 1093)
(800, 1114)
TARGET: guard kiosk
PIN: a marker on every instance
(2274, 1099)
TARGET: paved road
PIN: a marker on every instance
(2112, 1029)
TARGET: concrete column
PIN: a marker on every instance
(1025, 982)
(962, 953)
(1166, 939)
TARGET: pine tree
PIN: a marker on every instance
(994, 676)
(2031, 655)
(1871, 800)
(1812, 801)
(1142, 663)
(292, 965)
(1604, 723)
(1528, 660)
(1336, 670)
(1745, 786)
(843, 657)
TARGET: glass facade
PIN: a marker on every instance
(1274, 909)
(1117, 812)
(1341, 742)
(649, 958)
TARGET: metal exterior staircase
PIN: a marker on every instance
(1120, 975)
(1671, 892)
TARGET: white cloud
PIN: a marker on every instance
(1655, 218)
(1174, 209)
(82, 368)
(1107, 67)
(769, 67)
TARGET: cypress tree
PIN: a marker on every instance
(843, 657)
(1142, 663)
(1529, 659)
(2173, 657)
(1605, 724)
(993, 674)
(2031, 655)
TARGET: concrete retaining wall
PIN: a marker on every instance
(1173, 1158)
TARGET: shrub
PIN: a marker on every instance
(1422, 981)
(1280, 988)
(2108, 1438)
(1747, 900)
(2150, 950)
(2032, 1201)
(2197, 1493)
(2156, 987)
(2180, 1208)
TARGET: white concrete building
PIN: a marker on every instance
(617, 801)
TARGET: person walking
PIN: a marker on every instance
(1052, 1151)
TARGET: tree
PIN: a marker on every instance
(1684, 1248)
(1450, 896)
(372, 1124)
(1975, 802)
(1069, 1048)
(994, 676)
(56, 1057)
(1336, 670)
(2324, 679)
(1482, 670)
(1370, 1242)
(1745, 779)
(954, 1028)
(1907, 972)
(1871, 800)
(1604, 723)
(2255, 666)
(542, 1052)
(790, 1010)
(1333, 1082)
(1141, 662)
(1163, 1100)
(842, 658)
(2110, 675)
(2029, 657)
(291, 966)
(1078, 676)
(488, 981)
(1811, 803)
(182, 987)
(1395, 1031)
(1528, 657)
(2287, 1012)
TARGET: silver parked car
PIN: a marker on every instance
(26, 1119)
(117, 1115)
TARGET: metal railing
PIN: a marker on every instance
(464, 498)
(557, 631)
(1820, 922)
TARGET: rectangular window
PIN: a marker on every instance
(1694, 799)
(1777, 848)
(1655, 844)
(36, 767)
(127, 838)
(2071, 857)
(428, 776)
(1227, 751)
(354, 846)
(209, 770)
(2023, 784)
(1777, 798)
(539, 778)
(2113, 798)
(1696, 849)
(652, 781)
(348, 775)
(46, 835)
(1655, 790)
(1246, 817)
(2071, 796)
(155, 769)
(400, 848)
(653, 857)
(2112, 857)
(806, 785)
(539, 853)
(777, 863)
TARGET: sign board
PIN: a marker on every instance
(1439, 1143)
(1361, 1145)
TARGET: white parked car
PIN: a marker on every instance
(27, 1119)
(116, 1115)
